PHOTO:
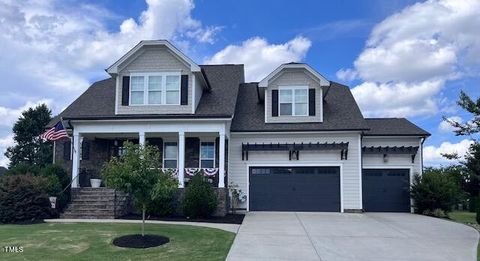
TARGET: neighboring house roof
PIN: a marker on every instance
(393, 127)
(2, 170)
(340, 112)
(98, 101)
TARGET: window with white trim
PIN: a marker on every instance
(293, 101)
(207, 154)
(170, 155)
(155, 88)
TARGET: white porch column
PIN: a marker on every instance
(181, 159)
(221, 164)
(76, 160)
(141, 138)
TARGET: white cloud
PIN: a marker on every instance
(446, 127)
(435, 40)
(260, 57)
(399, 99)
(47, 46)
(10, 115)
(5, 142)
(51, 50)
(432, 155)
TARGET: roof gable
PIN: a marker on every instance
(114, 68)
(317, 76)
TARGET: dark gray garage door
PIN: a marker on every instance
(294, 189)
(386, 190)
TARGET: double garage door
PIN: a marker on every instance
(318, 189)
(294, 189)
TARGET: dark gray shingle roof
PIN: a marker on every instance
(393, 127)
(340, 113)
(98, 101)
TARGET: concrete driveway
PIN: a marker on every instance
(336, 236)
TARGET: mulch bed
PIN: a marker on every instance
(139, 241)
(228, 219)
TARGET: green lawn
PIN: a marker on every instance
(90, 241)
(464, 217)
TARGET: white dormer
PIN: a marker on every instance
(293, 93)
(154, 77)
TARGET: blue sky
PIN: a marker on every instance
(400, 58)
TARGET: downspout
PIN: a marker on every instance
(421, 153)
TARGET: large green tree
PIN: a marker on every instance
(469, 128)
(29, 149)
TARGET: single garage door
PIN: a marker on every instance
(294, 189)
(386, 190)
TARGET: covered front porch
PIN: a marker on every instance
(185, 150)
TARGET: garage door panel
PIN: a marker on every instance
(386, 190)
(294, 189)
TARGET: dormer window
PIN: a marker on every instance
(293, 101)
(155, 88)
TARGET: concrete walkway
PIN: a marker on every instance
(226, 227)
(336, 236)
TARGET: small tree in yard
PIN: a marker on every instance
(138, 173)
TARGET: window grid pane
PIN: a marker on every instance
(155, 83)
(207, 164)
(172, 97)
(207, 150)
(170, 164)
(301, 109)
(173, 83)
(136, 97)
(137, 83)
(286, 109)
(154, 97)
(171, 150)
(301, 96)
(285, 96)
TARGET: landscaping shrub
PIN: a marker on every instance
(57, 179)
(24, 169)
(200, 199)
(435, 190)
(435, 213)
(23, 198)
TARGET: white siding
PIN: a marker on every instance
(294, 77)
(401, 160)
(153, 59)
(238, 169)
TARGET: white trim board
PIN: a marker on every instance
(307, 164)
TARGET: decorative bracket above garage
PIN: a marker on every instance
(295, 148)
(391, 150)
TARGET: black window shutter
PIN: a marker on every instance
(85, 150)
(66, 150)
(311, 102)
(125, 90)
(184, 90)
(274, 103)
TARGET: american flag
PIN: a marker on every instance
(55, 133)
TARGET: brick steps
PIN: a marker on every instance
(96, 203)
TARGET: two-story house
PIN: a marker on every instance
(294, 141)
